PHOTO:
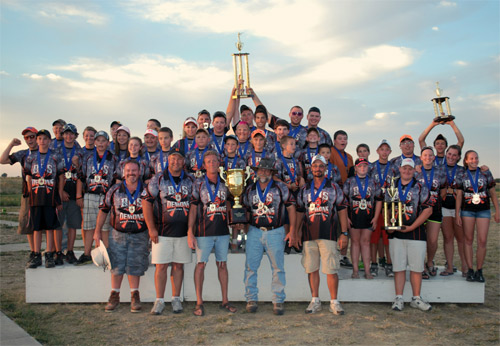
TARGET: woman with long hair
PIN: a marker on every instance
(475, 188)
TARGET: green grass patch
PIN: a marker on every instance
(10, 200)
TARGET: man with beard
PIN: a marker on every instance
(128, 239)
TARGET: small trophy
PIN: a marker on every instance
(241, 92)
(390, 224)
(235, 181)
(441, 116)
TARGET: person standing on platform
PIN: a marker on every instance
(25, 226)
(317, 203)
(208, 229)
(166, 203)
(340, 158)
(408, 246)
(407, 147)
(128, 240)
(266, 201)
(440, 143)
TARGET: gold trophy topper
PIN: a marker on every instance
(241, 91)
(441, 116)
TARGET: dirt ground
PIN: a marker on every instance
(363, 323)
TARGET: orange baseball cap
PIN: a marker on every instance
(403, 137)
(258, 132)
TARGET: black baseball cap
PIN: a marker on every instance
(59, 121)
(228, 137)
(219, 114)
(115, 122)
(43, 132)
(175, 151)
(245, 108)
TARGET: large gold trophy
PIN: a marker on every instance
(235, 181)
(393, 224)
(241, 91)
(441, 116)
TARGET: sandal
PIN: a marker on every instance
(368, 277)
(432, 269)
(425, 275)
(355, 276)
(230, 308)
(199, 310)
(446, 273)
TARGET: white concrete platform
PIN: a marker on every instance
(89, 284)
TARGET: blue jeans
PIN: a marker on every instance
(274, 243)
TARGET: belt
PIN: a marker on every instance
(265, 229)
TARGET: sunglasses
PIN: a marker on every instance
(297, 113)
(29, 137)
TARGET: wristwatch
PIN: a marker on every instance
(345, 233)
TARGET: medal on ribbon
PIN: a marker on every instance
(67, 161)
(42, 166)
(242, 154)
(212, 195)
(98, 168)
(220, 148)
(476, 199)
(362, 192)
(177, 188)
(132, 199)
(428, 181)
(402, 196)
(262, 197)
(163, 164)
(186, 145)
(315, 196)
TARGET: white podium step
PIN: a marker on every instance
(90, 284)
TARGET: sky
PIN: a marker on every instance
(370, 66)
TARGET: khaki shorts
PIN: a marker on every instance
(405, 252)
(25, 226)
(313, 250)
(171, 250)
(91, 203)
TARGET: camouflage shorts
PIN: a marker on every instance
(128, 252)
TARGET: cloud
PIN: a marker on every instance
(448, 4)
(381, 119)
(435, 28)
(60, 10)
(4, 73)
(461, 63)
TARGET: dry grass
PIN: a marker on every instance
(87, 324)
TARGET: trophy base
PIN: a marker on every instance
(444, 119)
(391, 229)
(242, 96)
(237, 215)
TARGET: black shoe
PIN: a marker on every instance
(288, 249)
(31, 255)
(478, 276)
(84, 259)
(382, 262)
(470, 275)
(49, 260)
(70, 257)
(35, 261)
(59, 258)
(344, 262)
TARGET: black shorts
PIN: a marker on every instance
(437, 214)
(361, 221)
(44, 218)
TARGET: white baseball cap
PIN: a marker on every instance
(320, 158)
(100, 257)
(384, 141)
(408, 162)
(151, 132)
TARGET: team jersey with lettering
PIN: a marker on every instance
(485, 181)
(126, 215)
(97, 175)
(232, 162)
(396, 163)
(270, 140)
(185, 145)
(194, 162)
(20, 156)
(381, 173)
(294, 166)
(360, 214)
(244, 150)
(70, 171)
(158, 162)
(324, 137)
(211, 221)
(217, 143)
(55, 144)
(44, 187)
(417, 199)
(275, 201)
(319, 218)
(305, 157)
(452, 175)
(435, 180)
(171, 202)
(144, 172)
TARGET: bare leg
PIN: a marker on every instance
(31, 241)
(468, 225)
(223, 279)
(160, 279)
(50, 240)
(399, 282)
(116, 281)
(416, 283)
(133, 281)
(448, 237)
(314, 283)
(71, 238)
(199, 277)
(37, 241)
(432, 229)
(355, 249)
(460, 237)
(58, 239)
(176, 276)
(88, 240)
(365, 250)
(482, 235)
(332, 281)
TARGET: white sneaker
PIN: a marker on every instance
(176, 305)
(313, 307)
(399, 304)
(336, 308)
(157, 308)
(419, 303)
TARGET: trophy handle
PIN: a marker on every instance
(221, 174)
(248, 174)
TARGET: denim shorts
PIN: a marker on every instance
(481, 214)
(129, 253)
(204, 246)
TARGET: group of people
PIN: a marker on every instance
(306, 193)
